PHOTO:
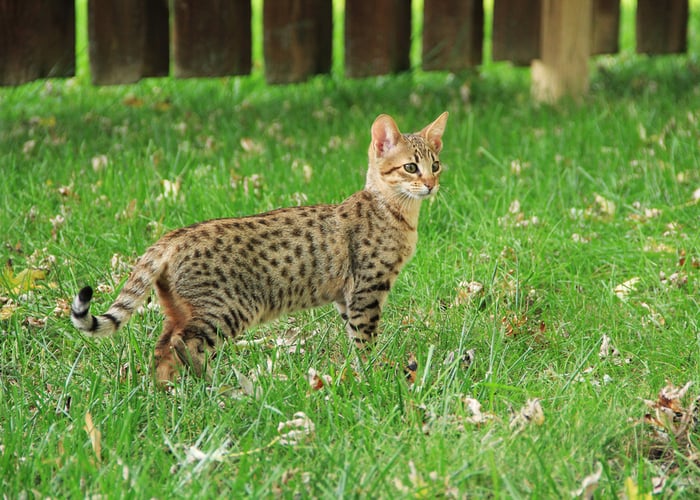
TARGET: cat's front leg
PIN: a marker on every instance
(363, 313)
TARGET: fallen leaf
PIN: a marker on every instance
(602, 208)
(36, 322)
(623, 290)
(317, 381)
(195, 455)
(632, 491)
(477, 416)
(99, 162)
(251, 146)
(163, 105)
(411, 369)
(247, 385)
(299, 429)
(28, 146)
(589, 484)
(606, 348)
(7, 310)
(132, 101)
(467, 291)
(654, 317)
(95, 436)
(466, 361)
(23, 281)
(531, 413)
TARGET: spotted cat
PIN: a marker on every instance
(217, 278)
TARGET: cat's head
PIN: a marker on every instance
(405, 166)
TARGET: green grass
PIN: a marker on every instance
(536, 331)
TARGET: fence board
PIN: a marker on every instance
(606, 26)
(212, 37)
(297, 39)
(516, 31)
(662, 26)
(453, 34)
(37, 40)
(128, 40)
(566, 47)
(377, 37)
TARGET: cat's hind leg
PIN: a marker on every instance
(195, 346)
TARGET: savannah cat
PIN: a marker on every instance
(217, 278)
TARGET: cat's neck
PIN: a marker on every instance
(405, 210)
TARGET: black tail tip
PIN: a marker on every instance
(85, 294)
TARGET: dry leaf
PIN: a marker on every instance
(163, 105)
(22, 282)
(623, 290)
(317, 381)
(132, 101)
(632, 491)
(528, 414)
(670, 421)
(299, 429)
(247, 385)
(589, 484)
(606, 348)
(654, 317)
(28, 146)
(36, 322)
(411, 369)
(466, 361)
(95, 436)
(128, 211)
(467, 291)
(171, 190)
(477, 416)
(8, 310)
(251, 146)
(99, 162)
(195, 455)
(603, 208)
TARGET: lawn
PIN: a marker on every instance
(554, 289)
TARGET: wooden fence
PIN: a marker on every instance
(131, 39)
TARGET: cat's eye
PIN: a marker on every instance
(436, 166)
(411, 168)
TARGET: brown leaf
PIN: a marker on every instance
(299, 429)
(95, 436)
(411, 369)
(132, 101)
(317, 381)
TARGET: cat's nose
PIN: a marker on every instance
(430, 184)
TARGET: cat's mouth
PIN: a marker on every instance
(422, 192)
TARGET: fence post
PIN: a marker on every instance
(128, 40)
(662, 26)
(453, 34)
(516, 31)
(297, 39)
(37, 40)
(211, 37)
(377, 37)
(606, 26)
(565, 47)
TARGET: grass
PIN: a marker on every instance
(525, 209)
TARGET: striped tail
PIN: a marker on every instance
(131, 297)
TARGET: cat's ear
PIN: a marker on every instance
(385, 134)
(433, 132)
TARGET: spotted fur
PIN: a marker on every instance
(217, 278)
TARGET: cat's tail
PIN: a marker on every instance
(132, 296)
